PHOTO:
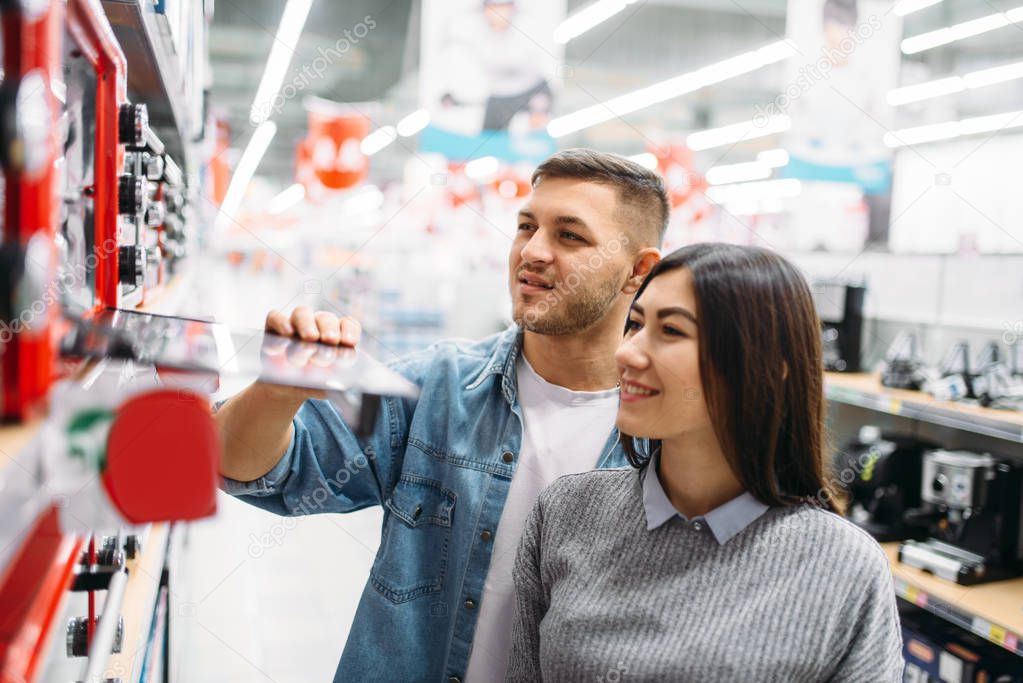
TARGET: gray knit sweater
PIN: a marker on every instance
(799, 595)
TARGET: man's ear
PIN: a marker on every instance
(645, 260)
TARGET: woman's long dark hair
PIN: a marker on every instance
(761, 369)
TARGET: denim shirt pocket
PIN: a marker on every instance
(413, 553)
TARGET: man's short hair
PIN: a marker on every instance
(640, 191)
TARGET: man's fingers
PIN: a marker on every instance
(279, 323)
(304, 322)
(329, 327)
(351, 331)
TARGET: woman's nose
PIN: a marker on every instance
(630, 354)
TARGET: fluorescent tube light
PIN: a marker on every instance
(774, 158)
(413, 123)
(482, 168)
(755, 191)
(585, 19)
(378, 139)
(286, 199)
(904, 7)
(961, 31)
(647, 160)
(671, 88)
(737, 132)
(281, 52)
(737, 173)
(925, 91)
(997, 74)
(954, 129)
(243, 173)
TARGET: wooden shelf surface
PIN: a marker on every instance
(993, 610)
(866, 391)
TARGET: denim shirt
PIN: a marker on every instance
(440, 466)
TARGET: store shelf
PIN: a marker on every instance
(154, 71)
(866, 391)
(993, 611)
(139, 607)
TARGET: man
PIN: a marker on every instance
(496, 421)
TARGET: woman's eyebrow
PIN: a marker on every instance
(676, 310)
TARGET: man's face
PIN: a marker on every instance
(570, 258)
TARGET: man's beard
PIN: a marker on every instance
(558, 314)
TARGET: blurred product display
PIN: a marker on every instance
(885, 471)
(973, 507)
(173, 170)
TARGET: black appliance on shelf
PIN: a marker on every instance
(840, 308)
(972, 504)
(904, 367)
(881, 473)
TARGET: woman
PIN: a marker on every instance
(719, 557)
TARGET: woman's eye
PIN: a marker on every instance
(525, 226)
(632, 325)
(674, 331)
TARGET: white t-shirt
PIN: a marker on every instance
(563, 432)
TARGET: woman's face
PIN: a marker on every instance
(658, 362)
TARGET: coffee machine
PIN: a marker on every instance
(840, 308)
(972, 505)
(882, 476)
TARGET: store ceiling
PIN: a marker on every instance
(649, 41)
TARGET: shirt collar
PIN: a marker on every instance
(725, 521)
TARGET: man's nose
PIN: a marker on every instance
(537, 249)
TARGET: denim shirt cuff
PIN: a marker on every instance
(269, 483)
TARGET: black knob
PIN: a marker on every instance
(131, 191)
(939, 483)
(131, 265)
(133, 122)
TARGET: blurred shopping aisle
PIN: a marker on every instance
(261, 597)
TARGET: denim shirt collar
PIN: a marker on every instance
(725, 521)
(502, 362)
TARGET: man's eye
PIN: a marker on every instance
(525, 226)
(571, 236)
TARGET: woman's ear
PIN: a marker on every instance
(645, 260)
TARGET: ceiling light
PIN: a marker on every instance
(997, 74)
(954, 84)
(956, 32)
(647, 160)
(755, 191)
(593, 14)
(243, 172)
(671, 88)
(954, 129)
(904, 7)
(737, 132)
(286, 199)
(925, 91)
(281, 52)
(773, 158)
(482, 168)
(378, 139)
(737, 173)
(413, 123)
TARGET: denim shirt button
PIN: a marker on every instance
(485, 535)
(454, 679)
(507, 457)
(470, 604)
